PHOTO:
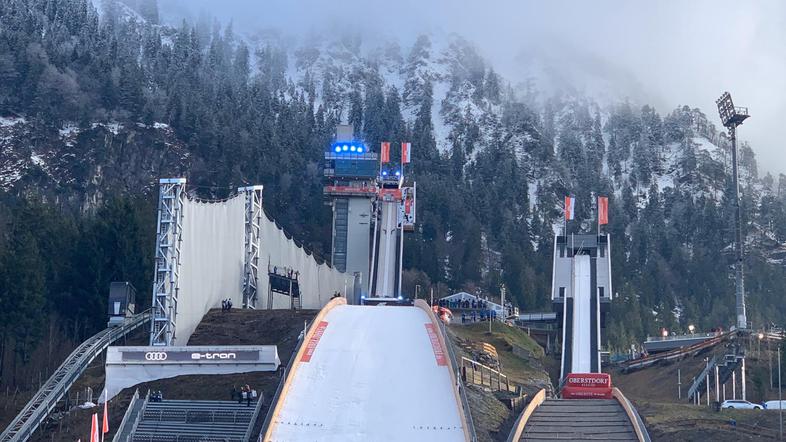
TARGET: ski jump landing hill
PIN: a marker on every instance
(371, 373)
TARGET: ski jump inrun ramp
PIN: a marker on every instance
(371, 373)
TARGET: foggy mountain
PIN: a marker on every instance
(95, 107)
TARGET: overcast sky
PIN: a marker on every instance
(665, 52)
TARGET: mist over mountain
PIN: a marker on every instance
(96, 104)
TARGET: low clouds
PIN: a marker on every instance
(666, 53)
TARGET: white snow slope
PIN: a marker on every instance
(373, 375)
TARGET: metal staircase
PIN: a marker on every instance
(45, 399)
(726, 366)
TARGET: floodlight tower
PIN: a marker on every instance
(731, 117)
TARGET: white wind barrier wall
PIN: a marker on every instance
(212, 254)
(317, 281)
(211, 260)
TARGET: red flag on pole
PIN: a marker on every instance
(406, 153)
(603, 210)
(385, 152)
(570, 206)
(94, 429)
(105, 424)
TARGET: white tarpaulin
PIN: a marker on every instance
(212, 257)
(211, 260)
(317, 281)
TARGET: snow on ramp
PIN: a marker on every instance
(370, 373)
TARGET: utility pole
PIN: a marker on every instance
(679, 384)
(731, 117)
(717, 387)
(780, 395)
(742, 379)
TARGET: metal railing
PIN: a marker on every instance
(462, 392)
(253, 422)
(282, 381)
(702, 378)
(476, 368)
(47, 397)
(130, 418)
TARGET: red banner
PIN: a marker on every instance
(384, 153)
(570, 206)
(105, 425)
(603, 210)
(406, 153)
(312, 343)
(439, 352)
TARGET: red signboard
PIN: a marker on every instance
(350, 189)
(312, 343)
(587, 386)
(390, 194)
(439, 352)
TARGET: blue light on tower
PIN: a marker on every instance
(337, 149)
(360, 149)
(345, 148)
(352, 148)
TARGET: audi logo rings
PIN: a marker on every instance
(155, 356)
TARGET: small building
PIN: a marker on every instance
(464, 301)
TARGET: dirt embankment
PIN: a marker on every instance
(656, 394)
(520, 359)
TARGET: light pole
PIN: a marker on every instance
(780, 395)
(731, 117)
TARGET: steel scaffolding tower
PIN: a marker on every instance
(167, 260)
(253, 219)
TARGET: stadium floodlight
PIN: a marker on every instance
(337, 149)
(731, 117)
(353, 148)
(345, 148)
(360, 149)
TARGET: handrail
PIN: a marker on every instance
(521, 422)
(126, 416)
(462, 390)
(466, 416)
(633, 415)
(47, 397)
(285, 371)
(499, 374)
(253, 422)
(141, 413)
(702, 376)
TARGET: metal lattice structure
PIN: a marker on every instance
(733, 116)
(253, 220)
(46, 398)
(167, 268)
